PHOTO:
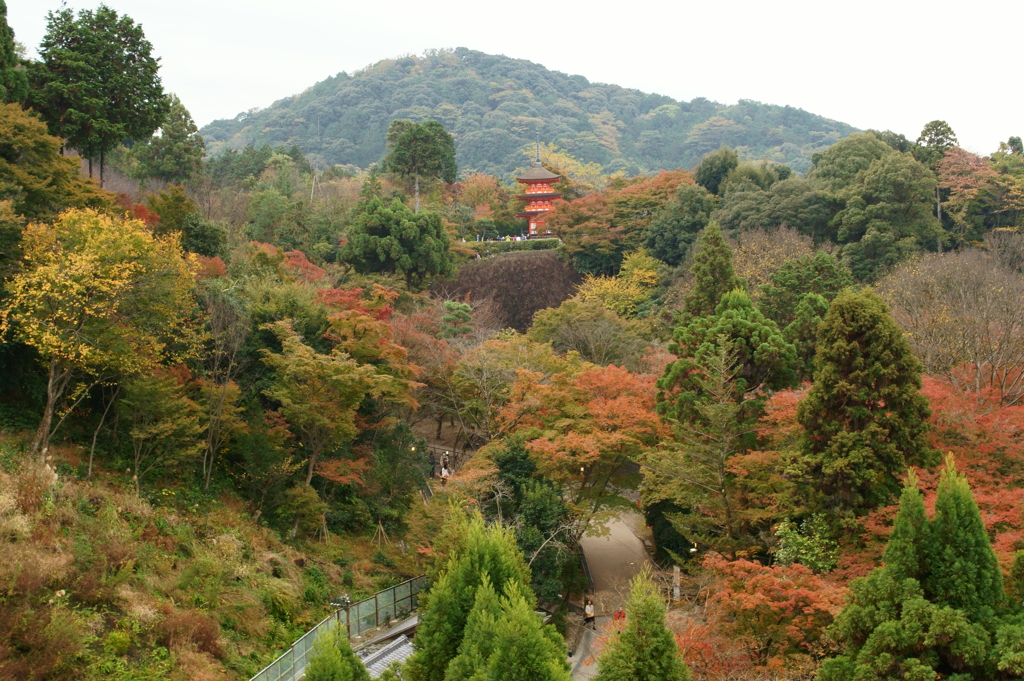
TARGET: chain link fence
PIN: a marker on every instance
(393, 603)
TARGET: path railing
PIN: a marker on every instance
(382, 607)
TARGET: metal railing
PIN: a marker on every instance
(382, 607)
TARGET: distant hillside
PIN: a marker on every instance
(496, 105)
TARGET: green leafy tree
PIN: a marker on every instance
(646, 650)
(319, 393)
(482, 551)
(713, 273)
(98, 297)
(712, 170)
(675, 225)
(935, 139)
(179, 214)
(393, 239)
(176, 154)
(820, 273)
(163, 427)
(332, 659)
(421, 150)
(97, 81)
(455, 321)
(887, 215)
(810, 543)
(838, 166)
(865, 417)
(13, 82)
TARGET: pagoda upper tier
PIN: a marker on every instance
(539, 195)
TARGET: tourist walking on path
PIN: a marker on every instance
(588, 612)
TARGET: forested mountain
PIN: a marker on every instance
(496, 105)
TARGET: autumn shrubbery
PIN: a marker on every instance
(520, 284)
(98, 582)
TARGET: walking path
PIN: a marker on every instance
(613, 559)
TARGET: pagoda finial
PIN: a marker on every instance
(537, 162)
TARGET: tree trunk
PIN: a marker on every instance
(54, 389)
(312, 467)
(103, 159)
(90, 167)
(96, 433)
(417, 192)
(938, 214)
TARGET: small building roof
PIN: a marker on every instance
(396, 651)
(538, 172)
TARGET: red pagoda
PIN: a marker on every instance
(538, 196)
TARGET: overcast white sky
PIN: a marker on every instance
(893, 64)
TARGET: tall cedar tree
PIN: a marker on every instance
(421, 149)
(865, 417)
(962, 569)
(713, 274)
(524, 648)
(933, 608)
(96, 83)
(646, 650)
(392, 239)
(821, 273)
(489, 551)
(13, 82)
(176, 155)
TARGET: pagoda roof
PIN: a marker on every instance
(538, 172)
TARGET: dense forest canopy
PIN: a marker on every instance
(494, 105)
(236, 387)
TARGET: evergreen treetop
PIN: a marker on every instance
(13, 81)
(713, 273)
(865, 418)
(646, 650)
(490, 551)
(963, 571)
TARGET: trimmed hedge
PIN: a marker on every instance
(494, 247)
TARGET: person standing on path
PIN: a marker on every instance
(588, 612)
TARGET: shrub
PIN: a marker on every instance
(185, 628)
(520, 284)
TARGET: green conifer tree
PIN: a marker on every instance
(525, 649)
(909, 534)
(646, 650)
(933, 611)
(761, 356)
(713, 273)
(479, 637)
(802, 332)
(865, 418)
(176, 154)
(963, 571)
(489, 551)
(456, 320)
(13, 81)
(334, 660)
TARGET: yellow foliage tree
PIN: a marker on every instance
(97, 296)
(636, 283)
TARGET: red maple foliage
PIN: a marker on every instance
(776, 612)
